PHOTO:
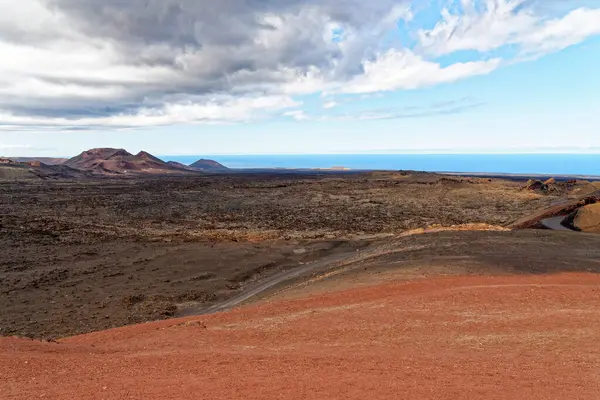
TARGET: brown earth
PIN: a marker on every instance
(51, 291)
(513, 337)
(559, 208)
(587, 189)
(587, 219)
(394, 285)
(36, 170)
(80, 256)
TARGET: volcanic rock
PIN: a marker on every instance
(535, 185)
(584, 188)
(587, 219)
(566, 208)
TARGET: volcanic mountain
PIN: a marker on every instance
(208, 165)
(179, 165)
(107, 161)
(44, 160)
(11, 169)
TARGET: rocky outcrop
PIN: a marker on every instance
(586, 219)
(555, 187)
(533, 221)
(584, 190)
(535, 185)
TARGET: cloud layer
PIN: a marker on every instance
(89, 64)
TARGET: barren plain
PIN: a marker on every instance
(85, 255)
(342, 286)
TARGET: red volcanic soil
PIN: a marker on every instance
(516, 337)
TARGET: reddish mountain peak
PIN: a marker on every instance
(104, 153)
(118, 161)
(148, 157)
(176, 164)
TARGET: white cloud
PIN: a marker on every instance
(72, 64)
(557, 34)
(404, 70)
(507, 22)
(298, 115)
(416, 111)
(15, 146)
(216, 111)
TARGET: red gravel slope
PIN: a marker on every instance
(519, 337)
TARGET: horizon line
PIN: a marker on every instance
(383, 154)
(448, 153)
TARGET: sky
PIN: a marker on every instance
(177, 77)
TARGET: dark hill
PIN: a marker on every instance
(11, 170)
(44, 160)
(179, 165)
(208, 165)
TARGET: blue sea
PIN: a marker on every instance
(543, 164)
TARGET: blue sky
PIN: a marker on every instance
(456, 76)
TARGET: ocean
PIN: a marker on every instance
(543, 164)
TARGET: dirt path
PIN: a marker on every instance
(343, 263)
(267, 284)
(555, 223)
